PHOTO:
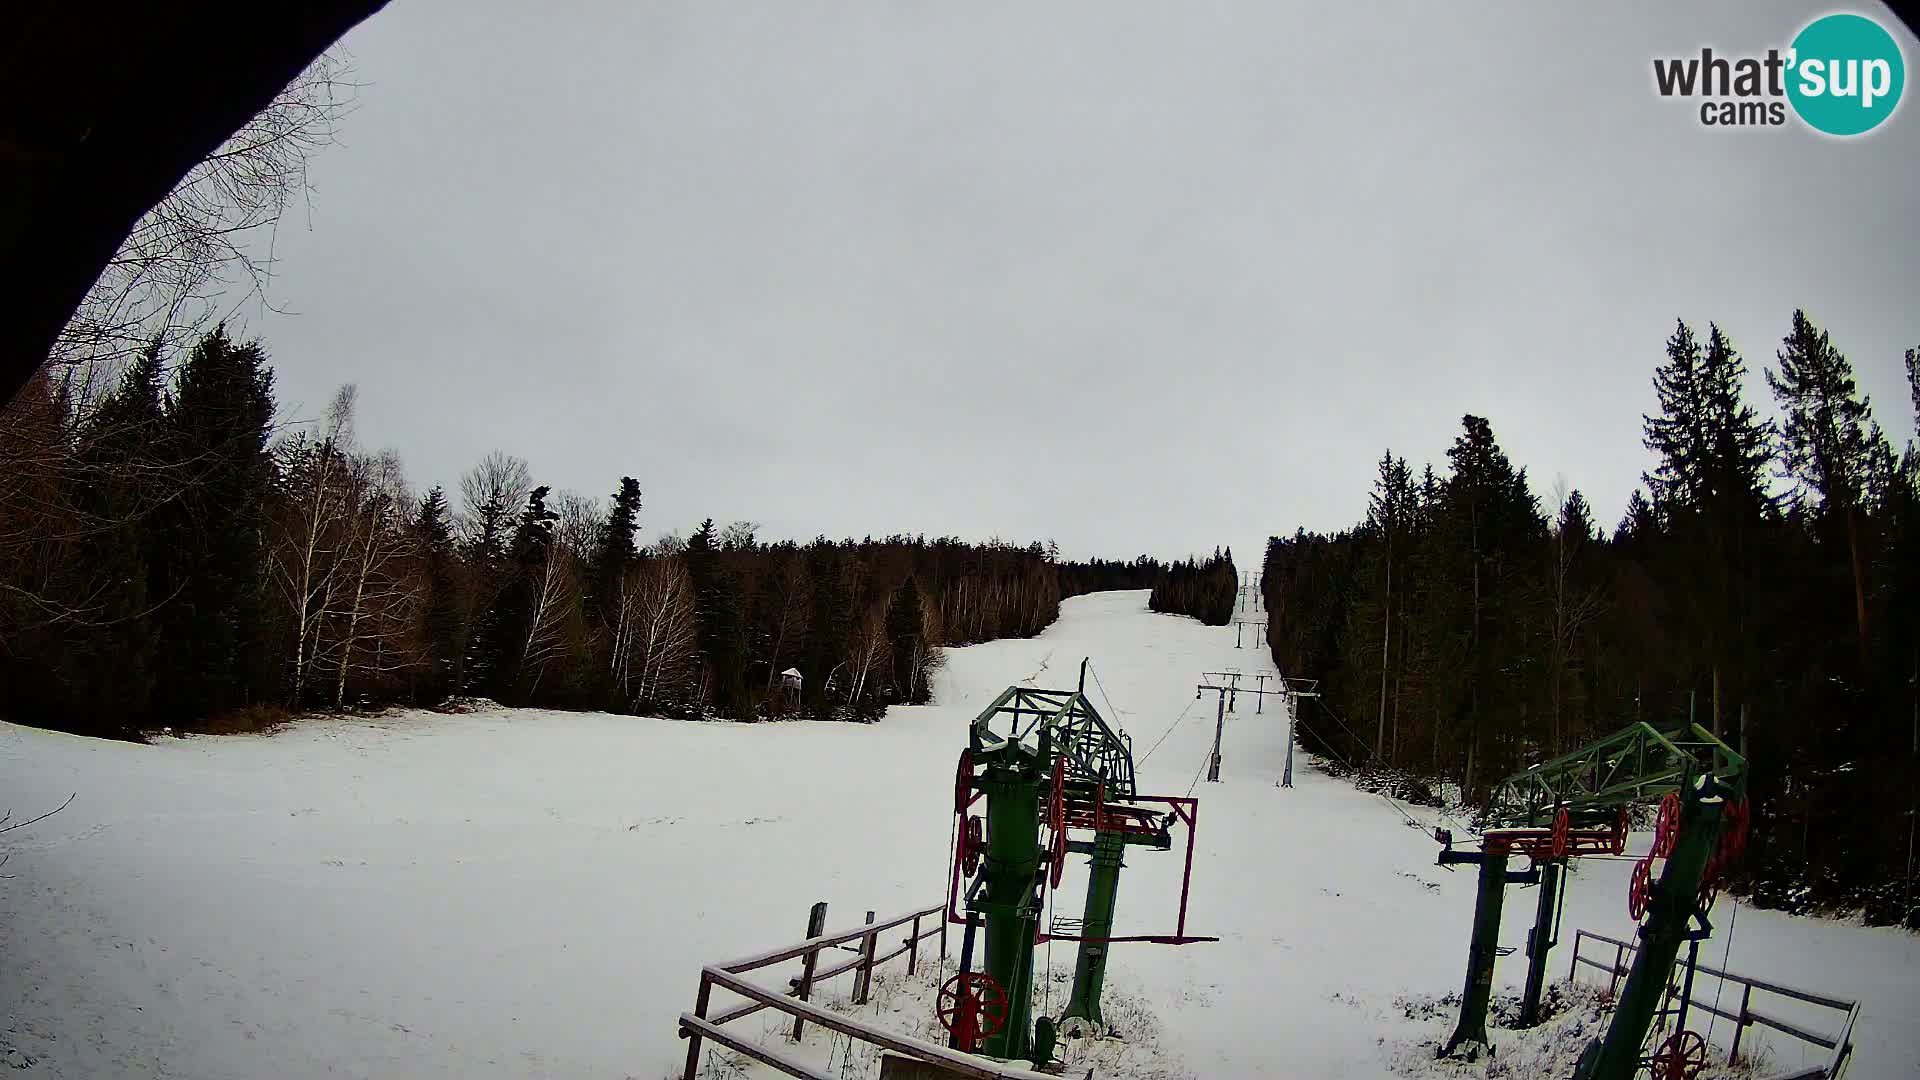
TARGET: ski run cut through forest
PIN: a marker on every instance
(528, 893)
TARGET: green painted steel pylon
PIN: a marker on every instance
(1481, 952)
(1009, 906)
(1541, 940)
(1669, 910)
(1090, 970)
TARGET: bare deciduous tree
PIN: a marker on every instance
(305, 558)
(493, 493)
(657, 596)
(381, 595)
(791, 592)
(577, 523)
(207, 246)
(870, 652)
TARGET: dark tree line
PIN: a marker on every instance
(167, 560)
(1205, 590)
(1101, 575)
(1766, 583)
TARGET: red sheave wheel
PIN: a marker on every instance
(973, 843)
(1640, 888)
(1561, 823)
(1666, 827)
(972, 1006)
(1681, 1057)
(1710, 881)
(1621, 826)
(963, 782)
(1733, 835)
(1057, 822)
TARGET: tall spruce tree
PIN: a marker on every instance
(1829, 446)
(207, 541)
(906, 635)
(1492, 523)
(119, 486)
(615, 549)
(717, 596)
(1709, 490)
(442, 632)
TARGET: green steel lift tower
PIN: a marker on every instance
(1044, 758)
(1577, 805)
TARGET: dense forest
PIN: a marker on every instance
(169, 559)
(1205, 590)
(1765, 582)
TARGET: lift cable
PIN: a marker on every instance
(1443, 810)
(1104, 696)
(1410, 821)
(1725, 959)
(1164, 734)
(1197, 773)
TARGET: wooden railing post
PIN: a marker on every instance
(816, 925)
(693, 1038)
(913, 947)
(863, 975)
(1619, 952)
(1575, 962)
(1740, 1025)
(943, 935)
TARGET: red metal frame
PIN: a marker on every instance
(1187, 812)
(1543, 844)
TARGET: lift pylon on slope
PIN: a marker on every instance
(1056, 762)
(1577, 805)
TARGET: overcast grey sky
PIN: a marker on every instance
(1138, 277)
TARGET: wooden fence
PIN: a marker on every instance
(1839, 1045)
(697, 1026)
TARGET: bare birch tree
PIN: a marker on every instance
(869, 652)
(665, 632)
(553, 596)
(381, 595)
(305, 559)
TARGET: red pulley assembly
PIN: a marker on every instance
(1640, 888)
(963, 782)
(1733, 835)
(972, 1006)
(1057, 821)
(1666, 826)
(1681, 1057)
(1561, 823)
(973, 843)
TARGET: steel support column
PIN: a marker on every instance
(1671, 908)
(1541, 940)
(1481, 954)
(1090, 970)
(1008, 906)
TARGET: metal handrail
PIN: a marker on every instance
(1840, 1045)
(697, 1026)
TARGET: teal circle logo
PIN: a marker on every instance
(1845, 74)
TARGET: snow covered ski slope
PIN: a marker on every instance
(531, 894)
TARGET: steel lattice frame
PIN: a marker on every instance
(1095, 753)
(1635, 764)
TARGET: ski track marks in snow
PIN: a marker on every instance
(509, 893)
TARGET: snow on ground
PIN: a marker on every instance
(531, 894)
